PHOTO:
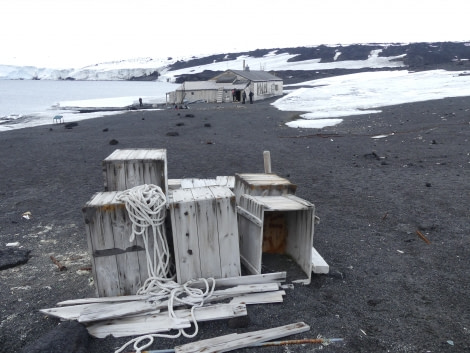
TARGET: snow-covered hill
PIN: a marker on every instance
(286, 62)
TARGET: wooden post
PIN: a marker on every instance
(267, 162)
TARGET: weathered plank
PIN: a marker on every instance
(205, 233)
(259, 298)
(262, 184)
(235, 341)
(106, 311)
(124, 169)
(145, 324)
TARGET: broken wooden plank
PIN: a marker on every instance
(259, 298)
(105, 311)
(236, 341)
(123, 298)
(146, 324)
(319, 265)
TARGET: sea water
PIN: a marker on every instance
(25, 103)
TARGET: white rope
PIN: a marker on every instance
(145, 205)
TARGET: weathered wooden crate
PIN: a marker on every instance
(119, 266)
(276, 224)
(126, 168)
(260, 184)
(205, 233)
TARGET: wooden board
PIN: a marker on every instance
(126, 168)
(119, 266)
(236, 341)
(205, 233)
(262, 184)
(146, 324)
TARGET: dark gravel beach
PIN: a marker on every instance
(387, 291)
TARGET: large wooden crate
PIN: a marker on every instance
(260, 184)
(126, 168)
(276, 224)
(205, 233)
(119, 266)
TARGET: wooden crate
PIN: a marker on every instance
(276, 224)
(205, 233)
(124, 169)
(119, 266)
(260, 184)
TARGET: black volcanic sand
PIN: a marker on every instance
(387, 290)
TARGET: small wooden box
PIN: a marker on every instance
(205, 233)
(119, 266)
(276, 224)
(262, 185)
(124, 169)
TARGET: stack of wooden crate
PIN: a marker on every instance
(216, 224)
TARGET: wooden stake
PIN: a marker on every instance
(421, 235)
(267, 162)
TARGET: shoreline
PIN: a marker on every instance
(371, 195)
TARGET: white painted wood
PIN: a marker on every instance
(236, 341)
(319, 265)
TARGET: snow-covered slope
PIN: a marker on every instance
(416, 56)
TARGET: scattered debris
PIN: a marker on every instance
(58, 264)
(113, 142)
(27, 215)
(421, 235)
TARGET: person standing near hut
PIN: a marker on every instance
(251, 97)
(233, 95)
(243, 97)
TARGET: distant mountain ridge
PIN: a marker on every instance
(412, 56)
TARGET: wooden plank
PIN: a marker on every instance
(145, 324)
(185, 236)
(125, 298)
(227, 231)
(148, 324)
(267, 162)
(66, 312)
(259, 298)
(207, 233)
(236, 341)
(105, 311)
(275, 277)
(319, 265)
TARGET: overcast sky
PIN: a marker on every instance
(75, 33)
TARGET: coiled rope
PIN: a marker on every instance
(146, 206)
